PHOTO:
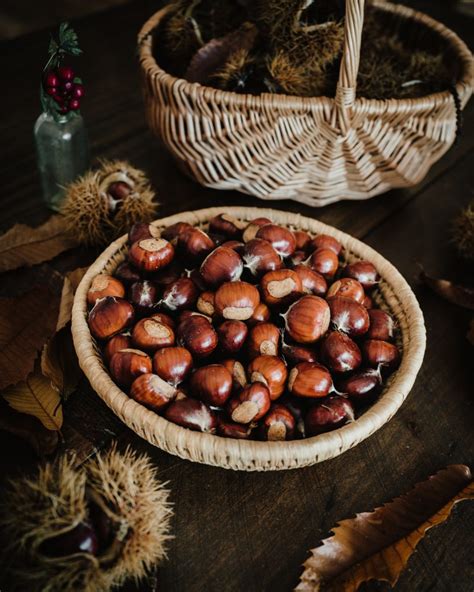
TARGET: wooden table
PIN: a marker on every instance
(237, 531)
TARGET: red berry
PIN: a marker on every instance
(68, 86)
(51, 79)
(51, 90)
(66, 73)
(78, 91)
(59, 99)
(74, 104)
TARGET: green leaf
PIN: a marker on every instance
(53, 46)
(77, 80)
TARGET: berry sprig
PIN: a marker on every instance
(61, 90)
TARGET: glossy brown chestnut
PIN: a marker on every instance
(328, 415)
(212, 384)
(307, 320)
(173, 232)
(280, 286)
(127, 364)
(205, 303)
(252, 228)
(260, 315)
(196, 277)
(239, 378)
(325, 241)
(144, 296)
(377, 352)
(231, 429)
(195, 243)
(298, 258)
(119, 190)
(348, 316)
(297, 407)
(339, 353)
(163, 318)
(152, 391)
(294, 354)
(278, 424)
(382, 326)
(104, 285)
(221, 265)
(109, 316)
(363, 385)
(364, 272)
(196, 334)
(236, 245)
(312, 282)
(141, 231)
(281, 239)
(272, 371)
(368, 302)
(232, 336)
(126, 273)
(227, 226)
(309, 379)
(250, 404)
(165, 276)
(325, 262)
(236, 300)
(172, 364)
(347, 288)
(264, 339)
(191, 414)
(116, 343)
(180, 295)
(151, 254)
(259, 257)
(150, 334)
(302, 240)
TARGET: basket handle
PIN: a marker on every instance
(347, 83)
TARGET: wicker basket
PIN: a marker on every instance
(313, 150)
(395, 295)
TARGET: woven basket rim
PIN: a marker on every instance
(463, 85)
(249, 454)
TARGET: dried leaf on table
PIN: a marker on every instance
(377, 545)
(36, 396)
(26, 323)
(71, 282)
(25, 246)
(454, 293)
(28, 428)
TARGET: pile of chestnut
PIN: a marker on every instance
(248, 330)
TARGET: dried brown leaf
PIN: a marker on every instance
(454, 293)
(25, 246)
(377, 545)
(26, 323)
(71, 281)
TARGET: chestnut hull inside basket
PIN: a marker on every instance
(394, 294)
(312, 150)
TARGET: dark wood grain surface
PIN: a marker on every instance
(248, 532)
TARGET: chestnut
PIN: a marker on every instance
(191, 414)
(325, 241)
(325, 262)
(195, 244)
(164, 319)
(377, 352)
(250, 404)
(364, 272)
(196, 277)
(196, 334)
(281, 239)
(295, 354)
(236, 300)
(142, 230)
(302, 239)
(312, 282)
(212, 384)
(104, 285)
(126, 273)
(298, 258)
(172, 233)
(221, 265)
(362, 386)
(232, 336)
(144, 296)
(309, 379)
(278, 424)
(172, 364)
(116, 343)
(368, 302)
(80, 539)
(264, 339)
(297, 408)
(239, 378)
(205, 303)
(381, 325)
(151, 254)
(271, 370)
(252, 228)
(180, 294)
(280, 286)
(307, 320)
(339, 353)
(347, 288)
(152, 391)
(166, 275)
(260, 315)
(236, 245)
(150, 334)
(328, 415)
(231, 429)
(109, 316)
(348, 316)
(227, 226)
(259, 257)
(128, 364)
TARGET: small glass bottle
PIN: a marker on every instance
(62, 151)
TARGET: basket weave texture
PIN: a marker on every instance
(394, 295)
(313, 150)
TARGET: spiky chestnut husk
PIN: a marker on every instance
(237, 73)
(463, 232)
(94, 216)
(33, 509)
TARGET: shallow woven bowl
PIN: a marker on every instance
(315, 150)
(394, 295)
